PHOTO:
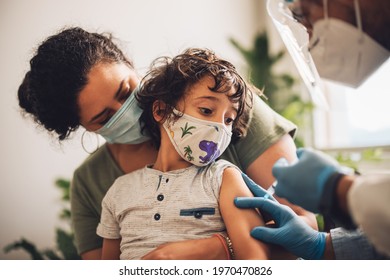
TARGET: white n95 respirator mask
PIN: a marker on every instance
(197, 141)
(343, 52)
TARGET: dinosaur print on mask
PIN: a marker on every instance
(211, 149)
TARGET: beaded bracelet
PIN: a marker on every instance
(227, 245)
(223, 241)
(230, 247)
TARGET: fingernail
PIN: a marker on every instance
(282, 162)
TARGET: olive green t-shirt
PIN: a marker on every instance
(99, 171)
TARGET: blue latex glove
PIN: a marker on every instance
(259, 192)
(255, 188)
(303, 182)
(292, 233)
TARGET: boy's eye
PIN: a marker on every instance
(205, 111)
(229, 121)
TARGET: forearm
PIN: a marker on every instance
(111, 249)
(333, 202)
(342, 191)
(329, 252)
(95, 254)
(211, 249)
(260, 170)
(221, 250)
(200, 249)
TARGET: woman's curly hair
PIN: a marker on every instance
(58, 72)
(169, 79)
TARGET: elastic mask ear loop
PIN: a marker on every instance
(360, 27)
(97, 141)
(323, 39)
(326, 16)
(358, 19)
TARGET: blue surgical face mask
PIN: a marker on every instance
(124, 126)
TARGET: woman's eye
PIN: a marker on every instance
(297, 14)
(124, 96)
(205, 111)
(105, 120)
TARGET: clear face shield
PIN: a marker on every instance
(296, 39)
(335, 50)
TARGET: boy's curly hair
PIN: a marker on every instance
(170, 79)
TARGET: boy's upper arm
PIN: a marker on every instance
(239, 222)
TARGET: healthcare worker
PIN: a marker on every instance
(345, 41)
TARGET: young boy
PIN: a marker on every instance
(192, 106)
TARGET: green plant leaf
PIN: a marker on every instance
(65, 214)
(27, 246)
(64, 186)
(51, 255)
(66, 245)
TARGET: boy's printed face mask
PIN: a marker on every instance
(124, 126)
(197, 141)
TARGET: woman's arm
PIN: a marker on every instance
(95, 254)
(111, 249)
(200, 249)
(260, 170)
(240, 222)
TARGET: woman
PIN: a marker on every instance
(82, 78)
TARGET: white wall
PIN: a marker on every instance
(31, 160)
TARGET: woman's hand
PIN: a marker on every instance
(303, 181)
(307, 216)
(199, 249)
(258, 191)
(290, 232)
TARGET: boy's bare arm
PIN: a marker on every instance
(240, 222)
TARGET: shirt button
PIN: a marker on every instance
(160, 197)
(198, 215)
(157, 216)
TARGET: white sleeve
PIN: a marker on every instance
(369, 205)
(215, 174)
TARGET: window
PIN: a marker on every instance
(356, 118)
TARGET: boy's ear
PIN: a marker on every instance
(158, 110)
